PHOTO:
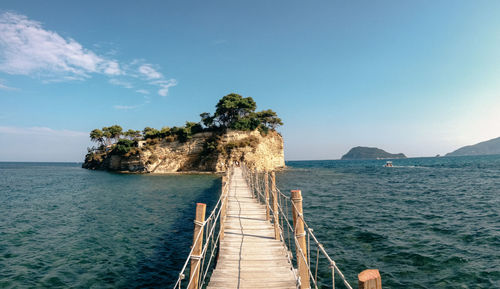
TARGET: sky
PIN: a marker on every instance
(416, 77)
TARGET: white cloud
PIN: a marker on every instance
(5, 87)
(148, 71)
(37, 130)
(125, 107)
(27, 48)
(112, 68)
(118, 82)
(165, 85)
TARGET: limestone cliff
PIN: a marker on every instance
(203, 152)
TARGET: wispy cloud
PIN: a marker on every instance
(27, 48)
(142, 91)
(126, 107)
(37, 130)
(164, 85)
(149, 72)
(5, 87)
(118, 82)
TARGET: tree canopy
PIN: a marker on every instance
(234, 111)
(133, 134)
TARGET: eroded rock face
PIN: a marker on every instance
(266, 155)
(262, 152)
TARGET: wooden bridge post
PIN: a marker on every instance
(266, 189)
(369, 279)
(298, 224)
(276, 215)
(197, 246)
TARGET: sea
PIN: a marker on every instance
(424, 223)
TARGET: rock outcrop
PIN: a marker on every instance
(367, 153)
(489, 147)
(204, 152)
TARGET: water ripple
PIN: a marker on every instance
(427, 223)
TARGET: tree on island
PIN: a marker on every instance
(232, 108)
(236, 112)
(132, 134)
(108, 135)
(97, 136)
(149, 132)
(113, 132)
(269, 118)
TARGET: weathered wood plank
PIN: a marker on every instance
(250, 256)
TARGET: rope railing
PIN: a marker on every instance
(291, 240)
(207, 231)
(285, 213)
(257, 188)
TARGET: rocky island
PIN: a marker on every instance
(489, 147)
(368, 153)
(234, 133)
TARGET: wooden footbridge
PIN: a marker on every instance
(248, 238)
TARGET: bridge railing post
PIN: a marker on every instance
(276, 215)
(300, 235)
(369, 279)
(266, 189)
(194, 274)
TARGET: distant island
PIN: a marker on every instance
(235, 133)
(367, 153)
(489, 147)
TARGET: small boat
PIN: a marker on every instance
(388, 164)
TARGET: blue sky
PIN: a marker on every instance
(418, 77)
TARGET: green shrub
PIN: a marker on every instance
(150, 133)
(123, 146)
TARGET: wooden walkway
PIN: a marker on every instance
(249, 256)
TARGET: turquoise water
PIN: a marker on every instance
(63, 226)
(426, 223)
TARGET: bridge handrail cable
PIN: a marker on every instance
(285, 204)
(210, 240)
(254, 179)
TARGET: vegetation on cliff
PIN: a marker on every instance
(367, 153)
(232, 112)
(236, 112)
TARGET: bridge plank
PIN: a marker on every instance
(249, 255)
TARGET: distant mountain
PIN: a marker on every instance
(366, 153)
(489, 147)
